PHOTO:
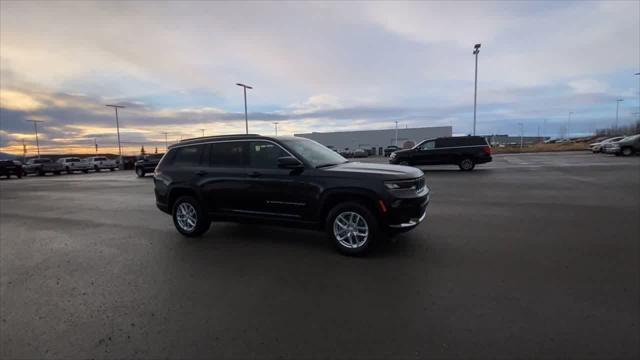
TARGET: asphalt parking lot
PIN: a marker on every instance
(532, 256)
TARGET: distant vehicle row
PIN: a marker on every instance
(43, 166)
(619, 145)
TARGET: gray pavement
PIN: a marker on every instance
(533, 255)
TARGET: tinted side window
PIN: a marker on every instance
(427, 145)
(264, 155)
(228, 154)
(188, 156)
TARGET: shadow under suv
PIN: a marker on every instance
(288, 181)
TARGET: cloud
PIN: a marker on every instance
(313, 65)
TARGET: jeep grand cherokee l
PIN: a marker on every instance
(288, 181)
(464, 151)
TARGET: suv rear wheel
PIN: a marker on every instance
(627, 151)
(466, 164)
(189, 218)
(352, 227)
(140, 172)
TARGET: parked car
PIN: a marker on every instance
(98, 163)
(71, 164)
(11, 167)
(464, 151)
(289, 181)
(42, 166)
(598, 146)
(360, 153)
(625, 147)
(147, 164)
(390, 149)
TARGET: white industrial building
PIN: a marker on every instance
(378, 139)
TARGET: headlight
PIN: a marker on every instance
(392, 156)
(401, 185)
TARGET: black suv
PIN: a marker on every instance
(11, 167)
(147, 164)
(290, 181)
(464, 151)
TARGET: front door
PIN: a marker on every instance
(425, 153)
(276, 192)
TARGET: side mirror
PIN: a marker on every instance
(288, 162)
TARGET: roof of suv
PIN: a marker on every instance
(200, 140)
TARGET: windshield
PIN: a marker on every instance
(316, 154)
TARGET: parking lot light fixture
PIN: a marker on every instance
(617, 108)
(246, 118)
(476, 51)
(116, 107)
(35, 128)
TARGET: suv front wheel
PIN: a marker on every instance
(140, 172)
(352, 227)
(189, 218)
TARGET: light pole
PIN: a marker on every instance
(246, 118)
(397, 133)
(617, 107)
(202, 132)
(521, 134)
(166, 142)
(35, 127)
(569, 123)
(116, 107)
(476, 51)
(276, 125)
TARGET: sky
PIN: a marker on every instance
(314, 66)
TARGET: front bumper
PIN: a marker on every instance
(405, 214)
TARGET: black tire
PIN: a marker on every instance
(405, 163)
(85, 171)
(68, 170)
(112, 169)
(40, 172)
(365, 213)
(202, 220)
(627, 151)
(56, 172)
(466, 164)
(96, 168)
(140, 172)
(19, 175)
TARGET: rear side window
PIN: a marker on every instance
(188, 156)
(228, 154)
(460, 141)
(264, 155)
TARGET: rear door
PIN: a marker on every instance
(224, 181)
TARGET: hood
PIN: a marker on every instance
(403, 151)
(381, 170)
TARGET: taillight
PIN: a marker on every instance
(487, 150)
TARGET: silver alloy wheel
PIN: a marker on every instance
(626, 151)
(466, 164)
(139, 172)
(187, 216)
(350, 229)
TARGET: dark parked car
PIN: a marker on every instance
(11, 167)
(42, 166)
(390, 149)
(147, 164)
(289, 181)
(464, 151)
(625, 147)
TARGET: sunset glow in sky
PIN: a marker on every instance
(315, 66)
